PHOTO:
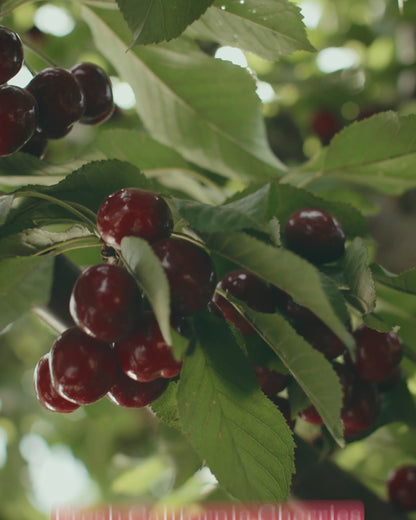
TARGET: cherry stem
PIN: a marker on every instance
(72, 208)
(69, 245)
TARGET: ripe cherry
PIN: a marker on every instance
(190, 272)
(133, 212)
(36, 145)
(105, 302)
(270, 381)
(247, 287)
(98, 94)
(310, 415)
(377, 355)
(144, 355)
(129, 393)
(18, 118)
(315, 234)
(11, 54)
(46, 394)
(325, 124)
(401, 484)
(321, 337)
(60, 101)
(82, 369)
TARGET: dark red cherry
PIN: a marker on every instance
(82, 369)
(392, 380)
(270, 381)
(105, 302)
(46, 394)
(321, 338)
(36, 145)
(133, 212)
(310, 415)
(11, 54)
(377, 355)
(190, 272)
(325, 124)
(60, 101)
(129, 393)
(18, 118)
(230, 313)
(401, 484)
(315, 234)
(144, 355)
(360, 409)
(97, 90)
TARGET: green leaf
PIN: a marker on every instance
(139, 480)
(312, 371)
(186, 98)
(154, 21)
(150, 275)
(231, 423)
(6, 202)
(25, 282)
(285, 270)
(379, 152)
(269, 28)
(180, 345)
(404, 282)
(166, 406)
(359, 277)
(398, 405)
(250, 212)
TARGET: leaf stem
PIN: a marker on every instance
(69, 245)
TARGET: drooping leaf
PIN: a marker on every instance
(206, 109)
(154, 21)
(166, 406)
(289, 272)
(359, 277)
(310, 368)
(232, 425)
(404, 282)
(398, 405)
(6, 202)
(379, 152)
(268, 28)
(25, 282)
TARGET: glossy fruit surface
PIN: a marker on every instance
(315, 234)
(401, 484)
(11, 54)
(144, 355)
(82, 368)
(46, 394)
(322, 338)
(105, 302)
(36, 145)
(310, 415)
(377, 355)
(133, 212)
(190, 272)
(97, 90)
(60, 101)
(270, 381)
(18, 118)
(230, 313)
(132, 394)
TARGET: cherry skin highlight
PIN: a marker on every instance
(82, 369)
(315, 235)
(60, 100)
(46, 394)
(18, 118)
(96, 86)
(144, 355)
(11, 54)
(401, 484)
(129, 393)
(105, 302)
(133, 212)
(190, 272)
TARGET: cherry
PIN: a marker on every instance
(270, 381)
(190, 272)
(310, 415)
(321, 338)
(36, 145)
(133, 212)
(144, 355)
(325, 124)
(105, 302)
(18, 117)
(401, 484)
(46, 394)
(11, 54)
(82, 369)
(377, 355)
(132, 394)
(98, 94)
(315, 234)
(60, 100)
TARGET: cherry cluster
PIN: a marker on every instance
(116, 347)
(53, 101)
